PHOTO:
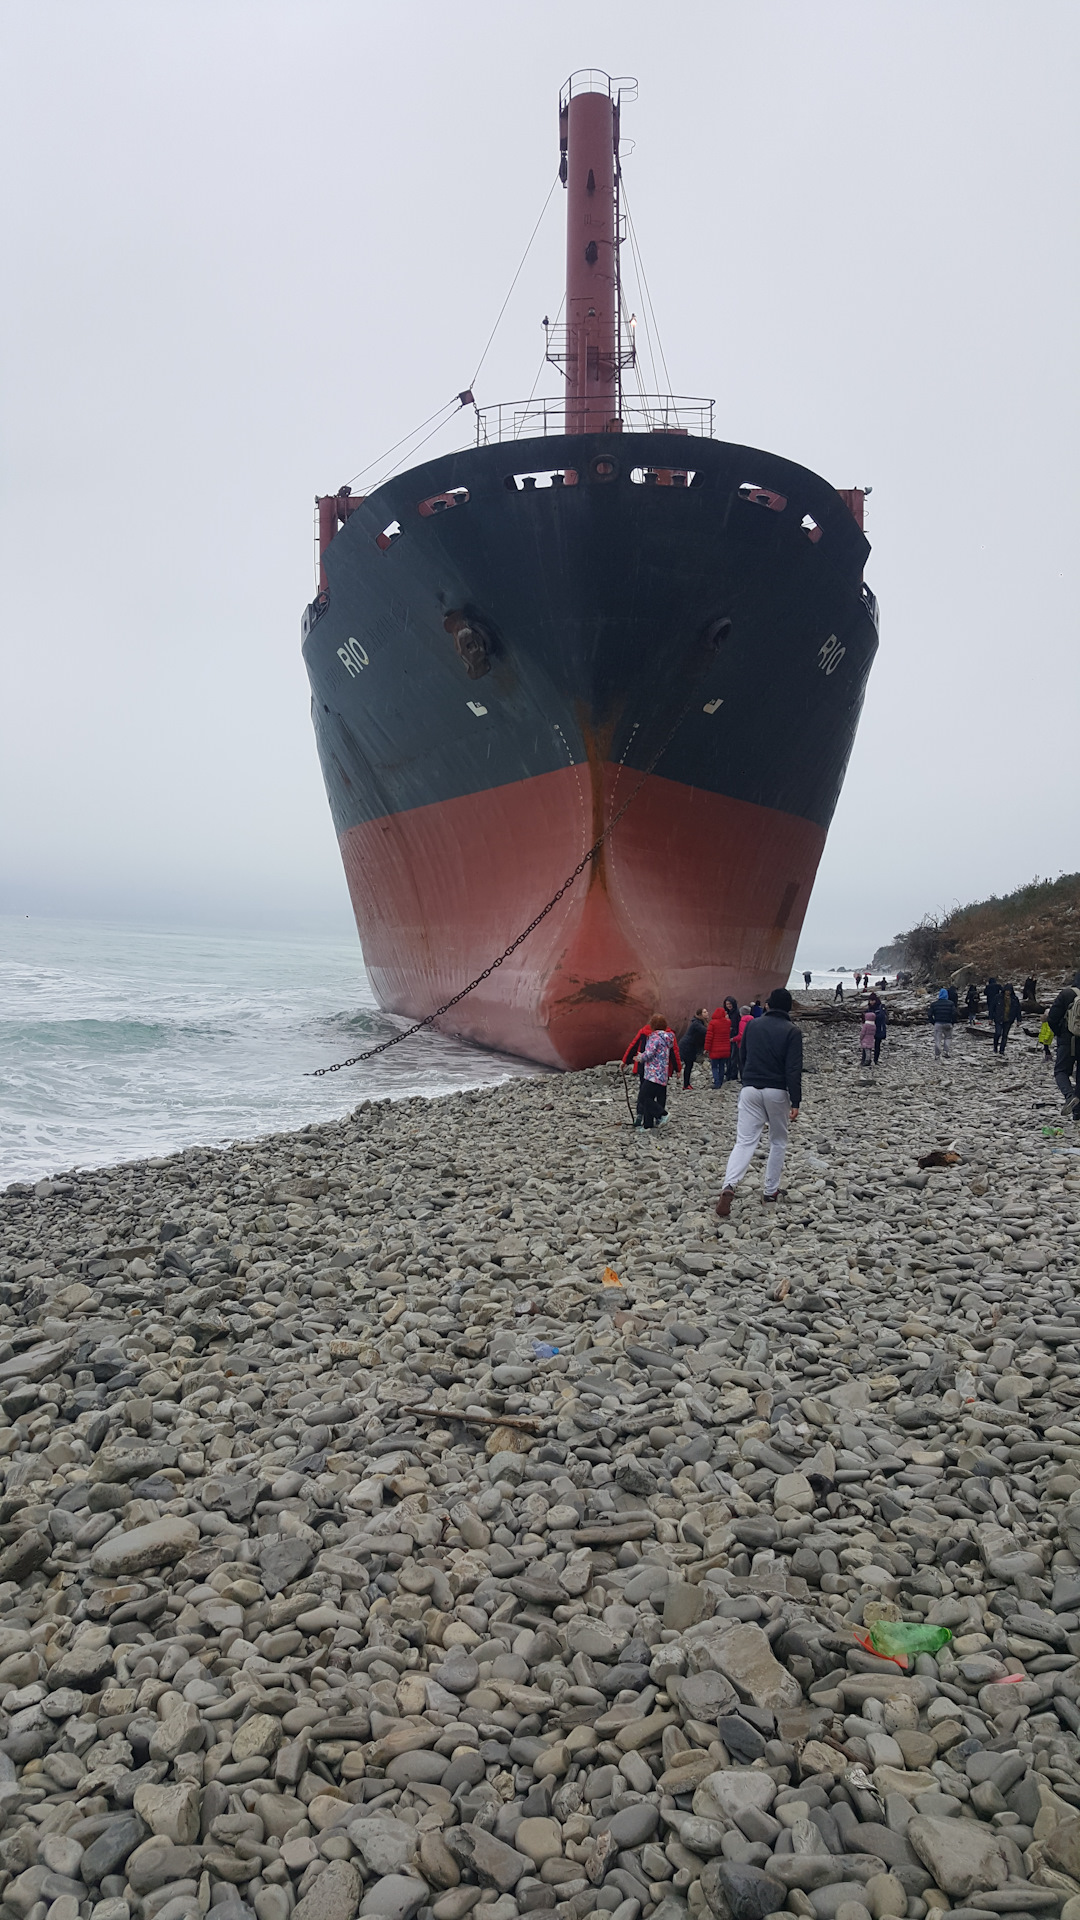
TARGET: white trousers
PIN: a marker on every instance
(760, 1107)
(942, 1041)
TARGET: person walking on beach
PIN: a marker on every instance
(941, 1014)
(867, 1036)
(806, 981)
(718, 1045)
(693, 1045)
(771, 1096)
(1006, 1016)
(971, 1002)
(839, 994)
(1063, 1020)
(881, 1024)
(659, 1058)
(993, 994)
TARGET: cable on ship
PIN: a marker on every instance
(430, 1018)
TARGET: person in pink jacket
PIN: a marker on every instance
(867, 1036)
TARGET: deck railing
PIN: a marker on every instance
(645, 413)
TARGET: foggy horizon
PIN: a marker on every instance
(255, 246)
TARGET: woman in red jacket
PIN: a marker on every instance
(718, 1045)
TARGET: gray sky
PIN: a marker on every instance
(249, 244)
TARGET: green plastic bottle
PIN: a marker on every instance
(895, 1638)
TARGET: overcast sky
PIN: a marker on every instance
(250, 243)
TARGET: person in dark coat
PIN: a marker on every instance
(1066, 1048)
(881, 1024)
(734, 1014)
(839, 994)
(1029, 991)
(718, 1045)
(693, 1044)
(756, 1008)
(770, 1097)
(941, 1014)
(971, 1002)
(993, 994)
(1006, 1016)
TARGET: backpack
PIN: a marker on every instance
(654, 1060)
(1072, 1015)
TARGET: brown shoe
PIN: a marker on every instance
(723, 1205)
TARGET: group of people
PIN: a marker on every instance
(1003, 1009)
(764, 1050)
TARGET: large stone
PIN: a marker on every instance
(746, 1893)
(730, 1791)
(159, 1544)
(384, 1846)
(1062, 1847)
(742, 1652)
(257, 1738)
(542, 1839)
(395, 1897)
(108, 1852)
(805, 1871)
(85, 1664)
(180, 1732)
(494, 1863)
(171, 1812)
(703, 1696)
(964, 1857)
(335, 1895)
(157, 1862)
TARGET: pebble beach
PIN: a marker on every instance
(437, 1511)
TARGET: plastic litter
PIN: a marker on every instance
(900, 1640)
(609, 1278)
(544, 1350)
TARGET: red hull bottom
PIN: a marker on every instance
(695, 896)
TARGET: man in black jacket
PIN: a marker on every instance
(1067, 1050)
(771, 1095)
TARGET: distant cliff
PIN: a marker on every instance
(1034, 930)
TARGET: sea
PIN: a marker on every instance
(123, 1042)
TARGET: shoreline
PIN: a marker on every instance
(365, 1545)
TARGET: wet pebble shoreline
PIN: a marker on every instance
(365, 1548)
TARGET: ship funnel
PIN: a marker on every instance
(589, 108)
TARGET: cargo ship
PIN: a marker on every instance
(597, 596)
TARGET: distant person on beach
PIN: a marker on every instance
(971, 1002)
(839, 994)
(993, 994)
(659, 1059)
(867, 1036)
(1029, 991)
(1063, 1020)
(954, 995)
(941, 1014)
(807, 977)
(718, 1045)
(1006, 1016)
(693, 1044)
(771, 1096)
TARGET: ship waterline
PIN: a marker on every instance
(438, 891)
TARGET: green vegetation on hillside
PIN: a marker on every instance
(1034, 930)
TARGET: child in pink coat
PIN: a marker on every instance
(866, 1039)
